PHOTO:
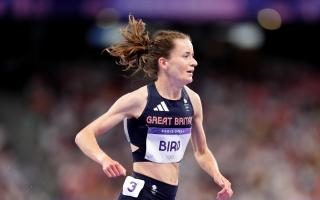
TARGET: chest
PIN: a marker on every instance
(168, 113)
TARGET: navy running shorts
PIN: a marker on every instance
(141, 187)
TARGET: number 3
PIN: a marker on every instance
(133, 186)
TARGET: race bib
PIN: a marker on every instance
(132, 187)
(166, 145)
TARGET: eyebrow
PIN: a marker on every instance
(188, 52)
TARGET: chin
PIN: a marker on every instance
(186, 80)
(189, 80)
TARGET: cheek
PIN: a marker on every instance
(180, 65)
(175, 71)
(177, 67)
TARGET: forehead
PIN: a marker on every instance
(182, 45)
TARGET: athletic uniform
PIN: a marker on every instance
(162, 133)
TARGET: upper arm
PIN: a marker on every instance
(198, 138)
(129, 105)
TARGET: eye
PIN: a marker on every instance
(188, 54)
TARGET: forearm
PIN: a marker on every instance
(208, 163)
(88, 144)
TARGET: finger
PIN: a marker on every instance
(107, 173)
(121, 169)
(222, 191)
(223, 196)
(115, 170)
(110, 170)
(230, 191)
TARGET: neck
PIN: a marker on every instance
(168, 89)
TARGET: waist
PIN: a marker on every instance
(167, 173)
(167, 191)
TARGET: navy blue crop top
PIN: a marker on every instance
(163, 130)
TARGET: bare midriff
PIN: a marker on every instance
(166, 172)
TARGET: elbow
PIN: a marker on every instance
(83, 136)
(77, 139)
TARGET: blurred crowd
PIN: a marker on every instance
(265, 134)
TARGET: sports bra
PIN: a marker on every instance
(163, 130)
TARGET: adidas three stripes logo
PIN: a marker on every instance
(161, 107)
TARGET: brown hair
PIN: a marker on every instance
(140, 52)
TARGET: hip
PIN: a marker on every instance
(139, 186)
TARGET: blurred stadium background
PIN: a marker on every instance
(258, 76)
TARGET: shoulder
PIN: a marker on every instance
(135, 97)
(138, 96)
(195, 100)
(194, 97)
(135, 101)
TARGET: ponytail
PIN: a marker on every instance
(133, 50)
(139, 52)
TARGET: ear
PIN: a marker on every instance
(163, 63)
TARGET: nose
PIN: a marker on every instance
(194, 62)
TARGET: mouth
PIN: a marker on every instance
(190, 72)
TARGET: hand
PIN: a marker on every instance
(226, 191)
(112, 168)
